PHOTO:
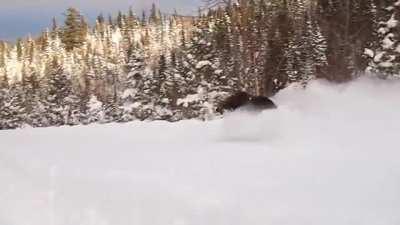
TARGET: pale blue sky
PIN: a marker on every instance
(21, 17)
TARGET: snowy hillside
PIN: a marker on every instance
(328, 155)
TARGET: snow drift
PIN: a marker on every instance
(328, 155)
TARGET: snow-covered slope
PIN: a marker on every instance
(328, 155)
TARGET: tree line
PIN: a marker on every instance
(171, 67)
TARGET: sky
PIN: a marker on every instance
(18, 18)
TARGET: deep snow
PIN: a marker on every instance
(328, 155)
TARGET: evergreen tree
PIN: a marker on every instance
(154, 17)
(12, 111)
(30, 88)
(55, 30)
(20, 49)
(276, 60)
(385, 59)
(95, 111)
(3, 53)
(59, 99)
(74, 30)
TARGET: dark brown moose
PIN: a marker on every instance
(244, 100)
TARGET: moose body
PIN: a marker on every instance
(245, 100)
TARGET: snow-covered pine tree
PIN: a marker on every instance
(262, 24)
(95, 111)
(278, 41)
(385, 59)
(164, 89)
(3, 53)
(204, 75)
(59, 100)
(112, 101)
(133, 99)
(12, 110)
(31, 97)
(313, 54)
(73, 35)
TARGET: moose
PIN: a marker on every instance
(244, 100)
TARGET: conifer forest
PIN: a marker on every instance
(167, 66)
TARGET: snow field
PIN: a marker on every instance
(328, 155)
